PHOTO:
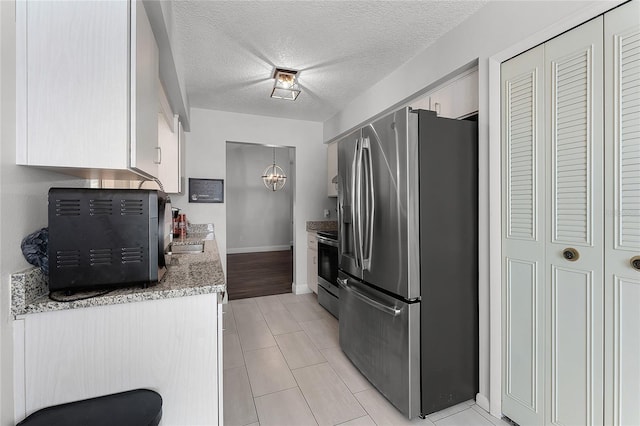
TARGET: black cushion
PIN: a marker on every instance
(140, 407)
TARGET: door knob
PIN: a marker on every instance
(635, 262)
(570, 254)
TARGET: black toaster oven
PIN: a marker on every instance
(107, 237)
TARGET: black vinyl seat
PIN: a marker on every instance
(140, 407)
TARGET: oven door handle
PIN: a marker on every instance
(391, 310)
(327, 241)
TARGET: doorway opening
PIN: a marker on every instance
(259, 221)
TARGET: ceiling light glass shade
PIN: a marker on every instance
(286, 85)
(273, 177)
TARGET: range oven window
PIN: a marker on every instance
(328, 261)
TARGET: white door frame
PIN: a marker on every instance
(492, 121)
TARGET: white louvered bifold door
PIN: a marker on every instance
(574, 249)
(523, 236)
(622, 218)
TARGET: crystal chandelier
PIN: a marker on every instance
(273, 177)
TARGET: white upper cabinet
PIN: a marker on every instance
(171, 140)
(332, 169)
(86, 88)
(144, 94)
(457, 99)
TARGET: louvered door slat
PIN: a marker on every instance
(572, 146)
(629, 142)
(521, 157)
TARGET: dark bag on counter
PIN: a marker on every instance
(34, 248)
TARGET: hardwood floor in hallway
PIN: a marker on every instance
(259, 274)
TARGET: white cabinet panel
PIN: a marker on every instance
(523, 237)
(332, 169)
(575, 301)
(312, 262)
(170, 346)
(575, 367)
(172, 154)
(86, 95)
(144, 94)
(622, 205)
(73, 64)
(456, 99)
(622, 403)
(522, 329)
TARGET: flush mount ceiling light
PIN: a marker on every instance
(285, 85)
(274, 177)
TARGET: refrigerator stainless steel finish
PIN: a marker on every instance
(407, 214)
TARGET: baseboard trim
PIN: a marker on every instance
(300, 288)
(257, 249)
(483, 402)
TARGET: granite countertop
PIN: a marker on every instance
(188, 274)
(322, 225)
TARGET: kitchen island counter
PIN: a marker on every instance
(187, 275)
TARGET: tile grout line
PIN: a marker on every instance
(244, 359)
(336, 373)
(306, 401)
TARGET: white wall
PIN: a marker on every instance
(258, 219)
(23, 204)
(205, 155)
(493, 30)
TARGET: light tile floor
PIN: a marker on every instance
(283, 366)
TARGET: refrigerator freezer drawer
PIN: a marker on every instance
(381, 336)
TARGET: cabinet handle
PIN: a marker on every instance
(570, 254)
(635, 263)
(159, 160)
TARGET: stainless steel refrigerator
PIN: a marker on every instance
(408, 274)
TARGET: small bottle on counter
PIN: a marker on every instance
(182, 225)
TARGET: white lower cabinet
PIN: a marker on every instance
(571, 226)
(312, 261)
(172, 346)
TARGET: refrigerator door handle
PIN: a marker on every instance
(357, 206)
(391, 310)
(371, 205)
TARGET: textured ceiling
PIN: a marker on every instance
(228, 49)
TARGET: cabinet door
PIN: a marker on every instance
(312, 261)
(71, 80)
(622, 221)
(169, 167)
(574, 291)
(457, 99)
(442, 101)
(523, 237)
(332, 169)
(312, 270)
(145, 153)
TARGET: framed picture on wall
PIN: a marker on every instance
(206, 190)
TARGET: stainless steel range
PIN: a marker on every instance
(328, 289)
